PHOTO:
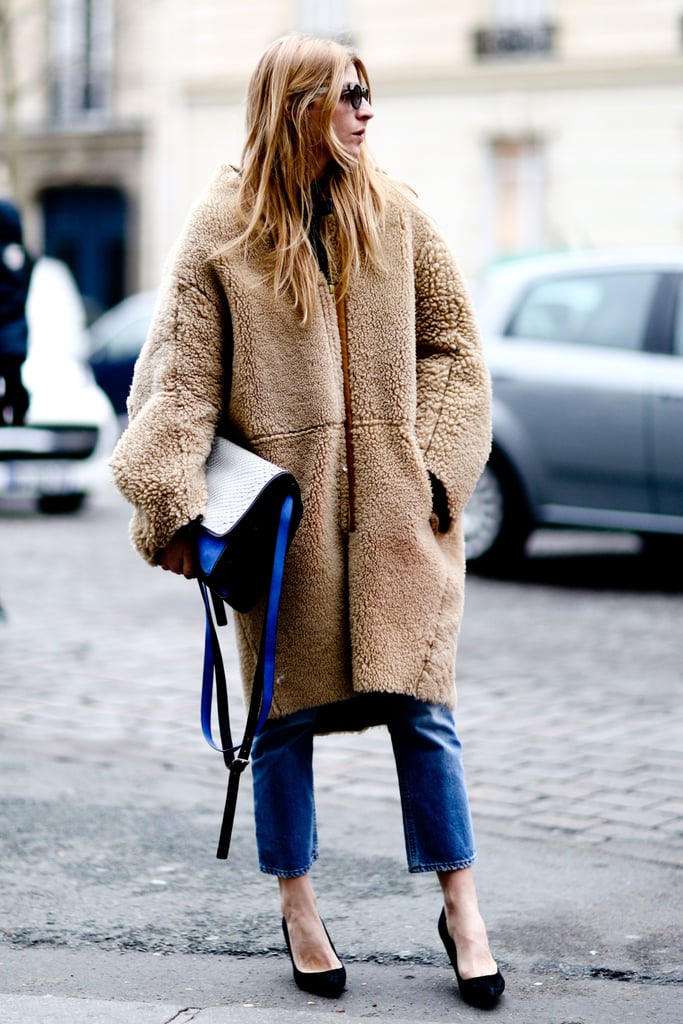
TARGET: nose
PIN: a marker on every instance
(365, 111)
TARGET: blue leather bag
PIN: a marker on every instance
(252, 512)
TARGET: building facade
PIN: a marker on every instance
(523, 125)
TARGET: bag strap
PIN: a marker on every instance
(262, 687)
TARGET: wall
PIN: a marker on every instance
(603, 111)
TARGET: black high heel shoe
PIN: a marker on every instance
(482, 992)
(328, 984)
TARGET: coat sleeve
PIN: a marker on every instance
(175, 400)
(453, 383)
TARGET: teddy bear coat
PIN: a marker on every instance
(361, 404)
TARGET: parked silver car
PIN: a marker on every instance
(586, 357)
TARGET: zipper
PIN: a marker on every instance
(348, 423)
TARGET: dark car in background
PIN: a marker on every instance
(586, 357)
(116, 338)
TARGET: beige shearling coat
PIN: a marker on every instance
(361, 415)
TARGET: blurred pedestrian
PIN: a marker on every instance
(15, 274)
(312, 307)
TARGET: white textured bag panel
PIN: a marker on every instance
(234, 479)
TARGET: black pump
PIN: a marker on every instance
(483, 992)
(328, 984)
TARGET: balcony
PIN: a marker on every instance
(513, 41)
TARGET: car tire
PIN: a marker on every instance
(662, 547)
(496, 519)
(61, 504)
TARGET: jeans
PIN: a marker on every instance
(436, 816)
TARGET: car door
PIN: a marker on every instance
(571, 373)
(666, 452)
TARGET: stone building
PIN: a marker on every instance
(524, 125)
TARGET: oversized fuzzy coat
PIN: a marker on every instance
(372, 605)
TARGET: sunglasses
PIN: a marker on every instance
(355, 94)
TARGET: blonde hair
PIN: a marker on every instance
(275, 199)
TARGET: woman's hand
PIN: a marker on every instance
(179, 555)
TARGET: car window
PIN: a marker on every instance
(126, 342)
(606, 309)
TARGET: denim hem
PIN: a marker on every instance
(455, 865)
(282, 873)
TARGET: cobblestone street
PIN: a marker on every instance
(570, 706)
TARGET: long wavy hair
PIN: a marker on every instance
(281, 155)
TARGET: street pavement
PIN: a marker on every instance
(114, 907)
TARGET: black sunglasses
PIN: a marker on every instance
(355, 94)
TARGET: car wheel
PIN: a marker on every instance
(496, 521)
(61, 504)
(663, 547)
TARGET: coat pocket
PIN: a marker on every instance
(440, 517)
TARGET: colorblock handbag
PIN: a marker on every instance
(253, 509)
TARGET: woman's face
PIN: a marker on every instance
(349, 123)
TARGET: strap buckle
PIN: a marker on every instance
(238, 764)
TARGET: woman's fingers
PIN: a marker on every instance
(178, 557)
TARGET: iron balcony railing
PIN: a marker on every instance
(514, 40)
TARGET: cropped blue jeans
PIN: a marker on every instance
(436, 816)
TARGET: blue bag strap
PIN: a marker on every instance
(263, 684)
(213, 666)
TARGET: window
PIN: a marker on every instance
(327, 18)
(515, 202)
(127, 341)
(81, 40)
(517, 27)
(603, 309)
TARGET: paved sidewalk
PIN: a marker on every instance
(48, 1010)
(113, 901)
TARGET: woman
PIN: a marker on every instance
(313, 307)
